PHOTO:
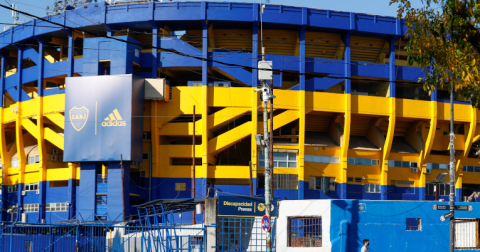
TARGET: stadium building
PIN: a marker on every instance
(101, 104)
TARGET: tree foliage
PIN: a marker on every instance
(444, 39)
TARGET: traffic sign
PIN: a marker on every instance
(441, 207)
(463, 208)
(446, 216)
(265, 223)
(457, 207)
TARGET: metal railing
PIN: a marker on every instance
(99, 238)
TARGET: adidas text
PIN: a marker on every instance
(114, 123)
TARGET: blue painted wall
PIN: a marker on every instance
(384, 224)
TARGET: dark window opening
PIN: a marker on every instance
(414, 224)
(373, 88)
(413, 91)
(104, 68)
(186, 161)
(304, 232)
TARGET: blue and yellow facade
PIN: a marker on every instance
(348, 110)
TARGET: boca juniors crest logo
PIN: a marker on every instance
(78, 117)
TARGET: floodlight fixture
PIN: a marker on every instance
(441, 177)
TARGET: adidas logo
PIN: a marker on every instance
(114, 119)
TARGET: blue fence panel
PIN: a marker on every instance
(243, 234)
(99, 238)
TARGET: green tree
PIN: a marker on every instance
(444, 39)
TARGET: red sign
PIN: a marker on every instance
(265, 223)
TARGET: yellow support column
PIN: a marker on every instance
(20, 152)
(462, 158)
(41, 140)
(348, 118)
(3, 150)
(428, 147)
(344, 147)
(301, 146)
(386, 149)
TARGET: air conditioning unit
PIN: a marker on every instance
(24, 193)
(54, 151)
(429, 171)
(332, 184)
(37, 191)
(415, 170)
(311, 183)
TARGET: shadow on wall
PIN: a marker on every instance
(389, 226)
(344, 213)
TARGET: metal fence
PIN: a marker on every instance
(243, 234)
(98, 238)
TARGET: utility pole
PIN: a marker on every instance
(266, 137)
(265, 73)
(452, 172)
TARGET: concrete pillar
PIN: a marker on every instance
(210, 220)
(87, 191)
(115, 205)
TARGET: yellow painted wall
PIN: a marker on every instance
(224, 105)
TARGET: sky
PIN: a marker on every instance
(377, 7)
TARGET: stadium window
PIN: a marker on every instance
(404, 183)
(285, 181)
(443, 189)
(33, 159)
(13, 188)
(305, 232)
(322, 159)
(280, 160)
(358, 180)
(30, 208)
(363, 161)
(56, 207)
(372, 188)
(146, 156)
(402, 164)
(413, 224)
(31, 186)
(349, 179)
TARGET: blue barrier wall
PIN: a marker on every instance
(384, 224)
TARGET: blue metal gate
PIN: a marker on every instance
(24, 237)
(243, 234)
